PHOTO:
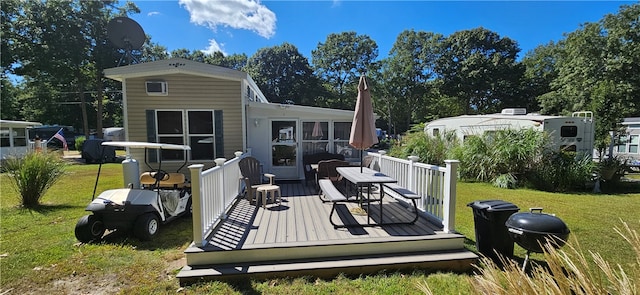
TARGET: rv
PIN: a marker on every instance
(14, 140)
(114, 134)
(569, 133)
(629, 141)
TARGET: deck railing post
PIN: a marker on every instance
(220, 163)
(412, 181)
(449, 202)
(196, 204)
(239, 154)
(380, 155)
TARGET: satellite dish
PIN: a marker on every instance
(126, 34)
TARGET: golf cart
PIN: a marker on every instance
(147, 201)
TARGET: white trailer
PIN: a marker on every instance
(14, 140)
(570, 133)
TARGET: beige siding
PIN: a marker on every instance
(187, 92)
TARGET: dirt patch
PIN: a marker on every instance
(87, 285)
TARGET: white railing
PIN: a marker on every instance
(434, 184)
(212, 193)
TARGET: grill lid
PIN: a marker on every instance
(537, 222)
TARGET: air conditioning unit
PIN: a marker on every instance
(514, 111)
(156, 88)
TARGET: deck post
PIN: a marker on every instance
(412, 181)
(449, 202)
(196, 203)
(380, 155)
(220, 163)
(239, 154)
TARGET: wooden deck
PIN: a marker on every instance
(296, 238)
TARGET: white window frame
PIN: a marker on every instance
(186, 135)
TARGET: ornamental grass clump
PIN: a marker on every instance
(565, 272)
(33, 174)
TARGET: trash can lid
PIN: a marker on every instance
(493, 205)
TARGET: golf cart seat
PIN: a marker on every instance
(169, 180)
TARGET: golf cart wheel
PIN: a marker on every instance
(89, 228)
(189, 208)
(146, 226)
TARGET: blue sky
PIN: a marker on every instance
(244, 26)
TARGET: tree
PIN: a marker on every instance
(195, 55)
(339, 62)
(407, 74)
(8, 39)
(597, 70)
(479, 68)
(152, 51)
(9, 105)
(61, 49)
(234, 61)
(540, 71)
(282, 74)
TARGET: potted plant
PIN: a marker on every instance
(611, 167)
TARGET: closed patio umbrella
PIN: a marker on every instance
(317, 131)
(363, 128)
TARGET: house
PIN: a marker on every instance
(569, 133)
(14, 140)
(218, 111)
(627, 145)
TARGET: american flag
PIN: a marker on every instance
(60, 136)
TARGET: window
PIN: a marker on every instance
(5, 140)
(16, 135)
(201, 135)
(195, 128)
(634, 140)
(170, 130)
(436, 131)
(315, 137)
(568, 131)
(621, 146)
(341, 131)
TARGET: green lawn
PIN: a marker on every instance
(40, 253)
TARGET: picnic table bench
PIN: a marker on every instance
(332, 194)
(407, 194)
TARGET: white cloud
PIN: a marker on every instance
(213, 47)
(153, 13)
(237, 14)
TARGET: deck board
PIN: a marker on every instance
(302, 218)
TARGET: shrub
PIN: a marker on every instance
(80, 142)
(33, 174)
(430, 149)
(501, 156)
(561, 172)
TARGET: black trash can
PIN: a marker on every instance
(492, 235)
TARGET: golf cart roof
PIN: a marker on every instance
(147, 145)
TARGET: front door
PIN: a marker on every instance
(284, 149)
